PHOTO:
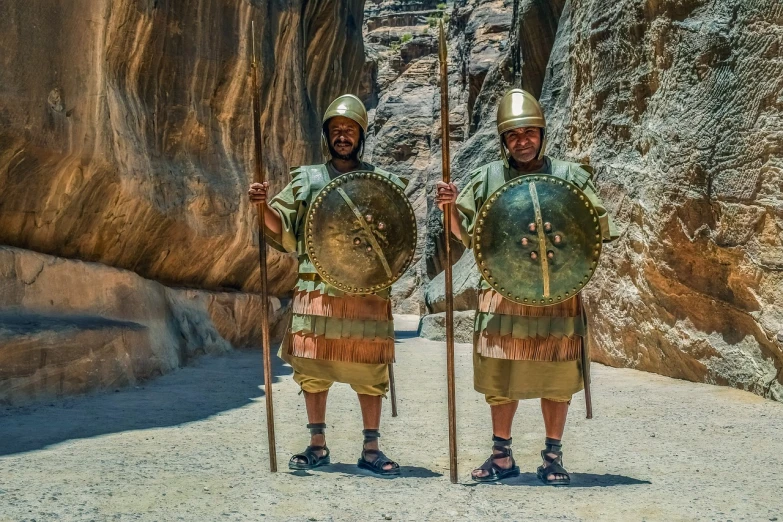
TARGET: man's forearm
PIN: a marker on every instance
(456, 222)
(272, 220)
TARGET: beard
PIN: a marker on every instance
(351, 156)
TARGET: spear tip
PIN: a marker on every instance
(442, 41)
(253, 41)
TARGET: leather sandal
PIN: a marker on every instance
(501, 448)
(553, 465)
(377, 465)
(310, 454)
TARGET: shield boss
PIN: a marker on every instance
(537, 240)
(361, 232)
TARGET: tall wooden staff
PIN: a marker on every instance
(393, 390)
(446, 157)
(258, 177)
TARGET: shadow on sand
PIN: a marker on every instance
(209, 386)
(352, 469)
(578, 480)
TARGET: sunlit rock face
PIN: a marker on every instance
(126, 140)
(70, 326)
(126, 128)
(679, 107)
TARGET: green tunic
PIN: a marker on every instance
(525, 379)
(292, 204)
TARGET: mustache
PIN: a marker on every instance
(351, 155)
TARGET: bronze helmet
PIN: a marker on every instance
(350, 107)
(517, 109)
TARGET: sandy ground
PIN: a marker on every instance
(192, 446)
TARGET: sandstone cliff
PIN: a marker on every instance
(677, 105)
(126, 131)
(126, 140)
(68, 326)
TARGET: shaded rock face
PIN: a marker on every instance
(678, 105)
(433, 326)
(485, 59)
(126, 129)
(465, 280)
(70, 327)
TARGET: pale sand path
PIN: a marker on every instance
(192, 446)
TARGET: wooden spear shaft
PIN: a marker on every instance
(393, 390)
(259, 177)
(446, 158)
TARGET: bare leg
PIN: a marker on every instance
(502, 419)
(555, 415)
(371, 416)
(316, 414)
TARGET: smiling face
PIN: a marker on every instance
(344, 137)
(523, 143)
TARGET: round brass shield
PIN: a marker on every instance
(361, 232)
(537, 240)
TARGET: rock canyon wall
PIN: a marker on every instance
(126, 148)
(126, 140)
(678, 107)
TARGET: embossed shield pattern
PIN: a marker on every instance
(361, 232)
(537, 240)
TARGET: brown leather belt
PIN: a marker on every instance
(310, 277)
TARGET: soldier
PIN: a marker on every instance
(333, 336)
(541, 357)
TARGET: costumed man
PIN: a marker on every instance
(542, 357)
(333, 336)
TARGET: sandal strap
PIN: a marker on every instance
(553, 445)
(492, 468)
(501, 447)
(371, 435)
(380, 460)
(489, 465)
(500, 442)
(309, 454)
(317, 428)
(555, 468)
(547, 456)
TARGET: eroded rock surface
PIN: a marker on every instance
(679, 107)
(126, 139)
(70, 327)
(126, 129)
(485, 58)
